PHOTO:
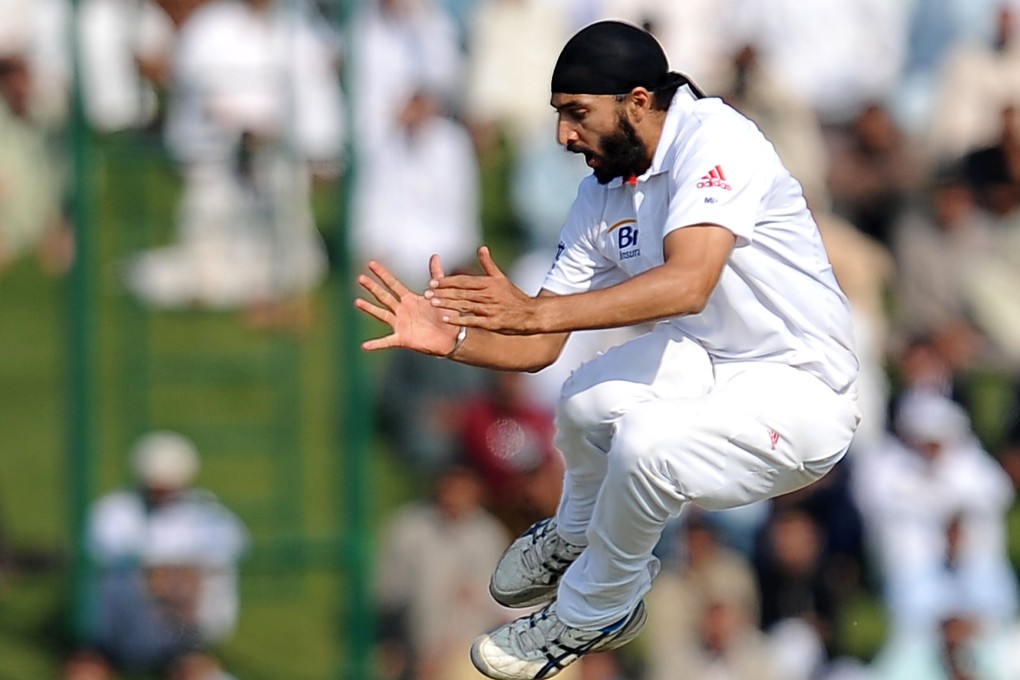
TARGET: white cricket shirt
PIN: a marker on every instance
(777, 299)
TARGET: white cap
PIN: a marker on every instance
(925, 416)
(165, 459)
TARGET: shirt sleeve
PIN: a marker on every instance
(721, 179)
(579, 265)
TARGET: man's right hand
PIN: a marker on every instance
(415, 323)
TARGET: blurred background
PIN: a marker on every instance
(202, 477)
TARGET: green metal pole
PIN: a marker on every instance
(81, 353)
(355, 441)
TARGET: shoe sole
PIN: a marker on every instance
(630, 630)
(523, 598)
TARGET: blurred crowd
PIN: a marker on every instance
(899, 118)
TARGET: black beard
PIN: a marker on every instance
(621, 154)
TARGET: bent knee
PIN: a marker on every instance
(641, 441)
(586, 406)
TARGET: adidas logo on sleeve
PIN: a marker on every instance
(714, 178)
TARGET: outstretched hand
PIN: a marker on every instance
(415, 323)
(491, 301)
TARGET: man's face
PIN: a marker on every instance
(597, 127)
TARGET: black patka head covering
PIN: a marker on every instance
(610, 57)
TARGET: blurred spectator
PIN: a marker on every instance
(978, 80)
(723, 641)
(993, 289)
(872, 171)
(938, 247)
(417, 194)
(509, 441)
(865, 270)
(417, 181)
(684, 589)
(254, 105)
(31, 190)
(787, 119)
(934, 505)
(834, 54)
(513, 47)
(122, 42)
(432, 580)
(936, 27)
(399, 49)
(962, 649)
(611, 665)
(994, 170)
(693, 33)
(166, 554)
(39, 29)
(799, 605)
(830, 505)
(419, 407)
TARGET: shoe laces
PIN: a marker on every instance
(548, 552)
(543, 634)
(534, 633)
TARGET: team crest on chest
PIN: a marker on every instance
(625, 235)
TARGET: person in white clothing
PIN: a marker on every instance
(166, 556)
(744, 389)
(255, 111)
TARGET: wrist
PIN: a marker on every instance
(461, 337)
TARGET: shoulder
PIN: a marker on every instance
(715, 125)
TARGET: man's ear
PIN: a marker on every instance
(639, 103)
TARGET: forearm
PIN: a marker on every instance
(509, 352)
(656, 294)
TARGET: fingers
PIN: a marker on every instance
(436, 268)
(487, 263)
(381, 294)
(386, 342)
(388, 279)
(376, 312)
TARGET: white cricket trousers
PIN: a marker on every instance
(652, 425)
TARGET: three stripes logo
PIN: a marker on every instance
(714, 178)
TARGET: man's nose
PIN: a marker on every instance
(565, 133)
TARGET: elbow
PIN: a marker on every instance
(696, 302)
(698, 296)
(696, 306)
(538, 366)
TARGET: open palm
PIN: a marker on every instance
(415, 323)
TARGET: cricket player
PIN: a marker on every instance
(744, 389)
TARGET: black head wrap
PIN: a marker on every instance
(612, 57)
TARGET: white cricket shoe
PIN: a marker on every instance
(530, 569)
(540, 645)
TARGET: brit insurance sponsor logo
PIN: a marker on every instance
(625, 233)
